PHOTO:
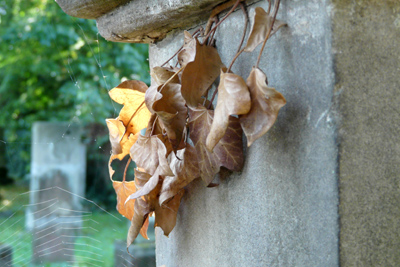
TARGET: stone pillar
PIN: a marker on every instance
(366, 42)
(281, 210)
(58, 171)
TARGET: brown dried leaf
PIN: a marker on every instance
(166, 214)
(233, 99)
(185, 168)
(150, 184)
(116, 131)
(150, 153)
(141, 212)
(200, 74)
(262, 23)
(265, 105)
(172, 112)
(188, 52)
(228, 152)
(151, 96)
(163, 74)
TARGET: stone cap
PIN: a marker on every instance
(140, 21)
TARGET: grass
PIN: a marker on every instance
(93, 247)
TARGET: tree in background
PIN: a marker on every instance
(54, 67)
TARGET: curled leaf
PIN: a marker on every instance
(163, 74)
(188, 52)
(233, 99)
(151, 96)
(172, 112)
(261, 25)
(200, 74)
(150, 153)
(185, 167)
(265, 105)
(166, 213)
(227, 153)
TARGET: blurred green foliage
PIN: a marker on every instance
(54, 67)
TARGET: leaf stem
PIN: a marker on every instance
(219, 23)
(269, 6)
(239, 51)
(276, 7)
(246, 20)
(154, 125)
(126, 169)
(212, 98)
(179, 50)
(170, 79)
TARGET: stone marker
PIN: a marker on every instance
(58, 171)
(5, 255)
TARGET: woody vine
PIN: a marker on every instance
(173, 133)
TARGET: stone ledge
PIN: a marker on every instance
(89, 9)
(140, 21)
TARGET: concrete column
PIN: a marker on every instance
(281, 210)
(366, 46)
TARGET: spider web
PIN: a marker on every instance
(81, 235)
(82, 244)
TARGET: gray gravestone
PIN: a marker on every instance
(5, 255)
(58, 170)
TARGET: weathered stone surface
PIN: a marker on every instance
(57, 148)
(5, 255)
(281, 210)
(148, 21)
(366, 38)
(89, 9)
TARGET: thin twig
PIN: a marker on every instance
(234, 59)
(212, 36)
(269, 7)
(246, 18)
(126, 169)
(239, 51)
(154, 125)
(170, 79)
(180, 49)
(212, 98)
(227, 15)
(276, 7)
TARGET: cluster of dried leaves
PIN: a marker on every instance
(185, 138)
